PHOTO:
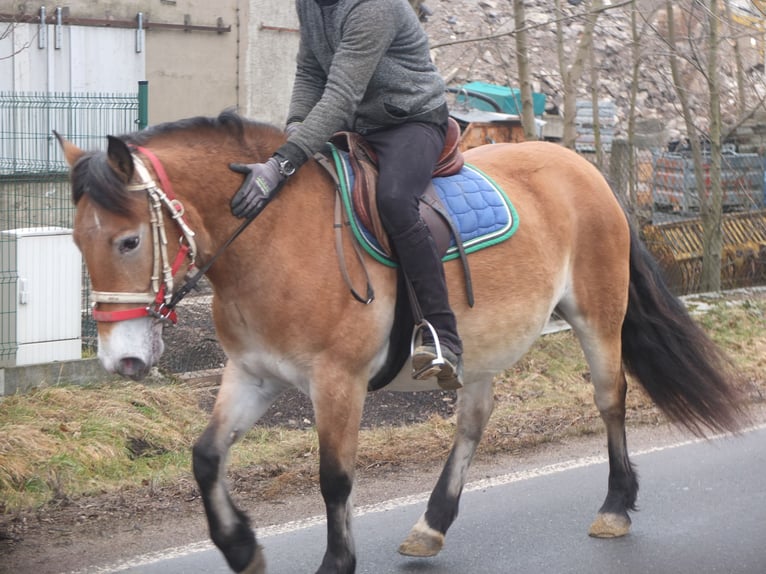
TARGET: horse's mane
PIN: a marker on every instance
(228, 122)
(93, 176)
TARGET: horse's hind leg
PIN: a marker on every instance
(241, 401)
(613, 519)
(600, 338)
(475, 403)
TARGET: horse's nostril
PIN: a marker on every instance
(132, 367)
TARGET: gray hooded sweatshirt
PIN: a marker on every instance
(362, 65)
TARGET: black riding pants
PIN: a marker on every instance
(407, 155)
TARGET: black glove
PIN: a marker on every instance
(261, 183)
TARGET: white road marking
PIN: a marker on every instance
(422, 498)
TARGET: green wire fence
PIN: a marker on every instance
(34, 187)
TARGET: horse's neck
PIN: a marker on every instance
(292, 230)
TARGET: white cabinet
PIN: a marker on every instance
(40, 296)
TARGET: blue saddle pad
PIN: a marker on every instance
(479, 208)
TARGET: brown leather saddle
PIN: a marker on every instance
(364, 193)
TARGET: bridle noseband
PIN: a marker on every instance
(158, 301)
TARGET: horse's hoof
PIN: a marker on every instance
(257, 564)
(610, 526)
(422, 542)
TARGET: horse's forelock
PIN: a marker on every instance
(93, 176)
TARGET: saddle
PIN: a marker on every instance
(364, 163)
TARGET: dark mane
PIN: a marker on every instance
(93, 176)
(228, 122)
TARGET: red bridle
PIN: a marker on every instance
(157, 299)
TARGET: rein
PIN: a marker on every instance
(191, 282)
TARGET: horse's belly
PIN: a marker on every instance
(482, 361)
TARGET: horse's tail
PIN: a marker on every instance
(684, 372)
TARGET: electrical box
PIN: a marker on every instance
(40, 296)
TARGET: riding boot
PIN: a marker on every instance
(421, 264)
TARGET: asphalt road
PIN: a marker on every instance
(702, 510)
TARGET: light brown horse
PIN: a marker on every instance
(284, 315)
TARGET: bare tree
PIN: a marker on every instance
(571, 71)
(635, 51)
(594, 99)
(709, 189)
(711, 203)
(740, 71)
(522, 63)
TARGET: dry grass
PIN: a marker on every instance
(72, 441)
(69, 440)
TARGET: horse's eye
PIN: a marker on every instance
(128, 244)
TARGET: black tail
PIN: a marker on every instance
(685, 373)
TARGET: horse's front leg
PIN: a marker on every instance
(241, 401)
(474, 406)
(338, 402)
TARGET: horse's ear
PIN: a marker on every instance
(120, 157)
(71, 152)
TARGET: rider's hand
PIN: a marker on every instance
(261, 182)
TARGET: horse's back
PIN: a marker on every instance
(552, 173)
(568, 215)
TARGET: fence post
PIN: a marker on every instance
(143, 104)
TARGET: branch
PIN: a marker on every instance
(7, 32)
(744, 117)
(25, 46)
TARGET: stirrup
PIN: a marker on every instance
(428, 370)
(431, 361)
(434, 367)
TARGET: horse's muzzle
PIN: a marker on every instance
(132, 368)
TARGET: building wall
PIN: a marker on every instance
(247, 63)
(271, 36)
(192, 73)
(70, 59)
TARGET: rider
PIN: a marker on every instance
(365, 66)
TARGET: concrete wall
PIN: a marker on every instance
(192, 73)
(271, 36)
(20, 380)
(189, 72)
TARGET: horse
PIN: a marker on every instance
(284, 316)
